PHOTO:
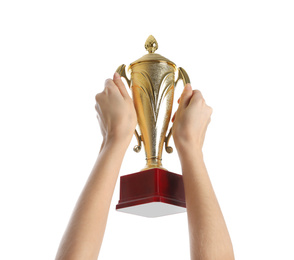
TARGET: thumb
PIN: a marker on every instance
(120, 85)
(186, 96)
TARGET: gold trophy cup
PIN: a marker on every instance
(154, 191)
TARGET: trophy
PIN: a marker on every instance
(153, 191)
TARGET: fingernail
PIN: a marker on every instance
(116, 75)
(188, 86)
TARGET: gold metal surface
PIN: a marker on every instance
(152, 83)
(151, 44)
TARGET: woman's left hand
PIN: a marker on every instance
(116, 112)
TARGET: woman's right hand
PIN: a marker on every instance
(190, 121)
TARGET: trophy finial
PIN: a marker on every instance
(151, 44)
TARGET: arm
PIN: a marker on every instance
(117, 118)
(209, 237)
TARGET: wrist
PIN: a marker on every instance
(116, 141)
(189, 151)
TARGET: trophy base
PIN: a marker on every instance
(152, 193)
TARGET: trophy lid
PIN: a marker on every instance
(151, 46)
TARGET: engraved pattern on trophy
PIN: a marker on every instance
(153, 99)
(153, 90)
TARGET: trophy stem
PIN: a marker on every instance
(153, 162)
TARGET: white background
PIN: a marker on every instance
(54, 59)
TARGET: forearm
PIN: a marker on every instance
(84, 234)
(209, 237)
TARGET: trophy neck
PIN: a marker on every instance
(153, 162)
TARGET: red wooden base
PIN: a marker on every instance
(152, 193)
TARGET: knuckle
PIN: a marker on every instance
(109, 84)
(200, 101)
(197, 93)
(198, 96)
(100, 96)
(108, 81)
(97, 97)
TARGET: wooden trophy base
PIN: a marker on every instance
(152, 193)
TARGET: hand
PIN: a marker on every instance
(116, 112)
(190, 120)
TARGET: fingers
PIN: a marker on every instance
(189, 96)
(186, 96)
(120, 85)
(197, 96)
(97, 108)
(115, 86)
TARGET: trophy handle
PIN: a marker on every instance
(122, 72)
(182, 74)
